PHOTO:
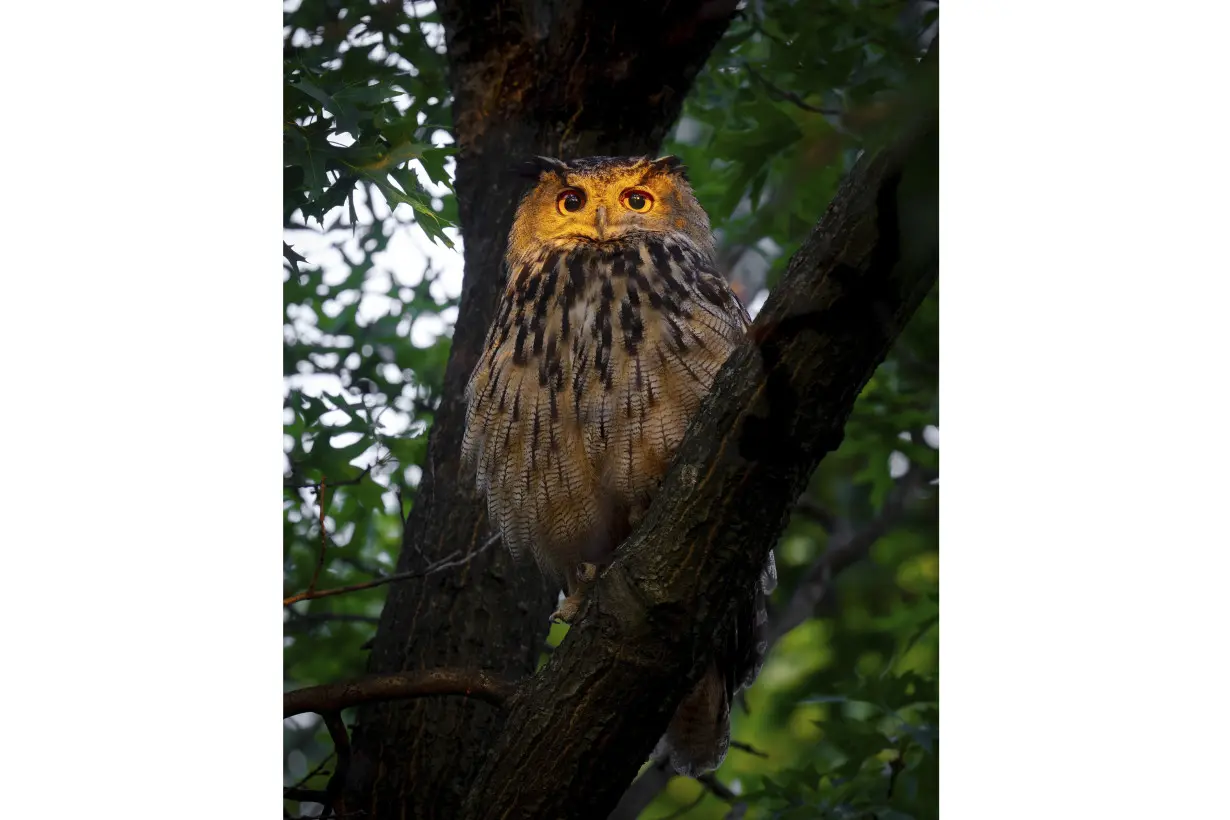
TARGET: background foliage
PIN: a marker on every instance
(844, 718)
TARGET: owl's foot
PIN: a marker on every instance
(568, 608)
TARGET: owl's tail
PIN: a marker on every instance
(699, 733)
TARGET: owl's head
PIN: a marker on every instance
(606, 199)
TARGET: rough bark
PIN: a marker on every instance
(577, 732)
(532, 77)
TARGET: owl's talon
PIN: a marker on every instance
(567, 610)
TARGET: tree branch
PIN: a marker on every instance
(783, 95)
(779, 404)
(316, 485)
(749, 748)
(331, 697)
(448, 562)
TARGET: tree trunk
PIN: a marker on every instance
(535, 77)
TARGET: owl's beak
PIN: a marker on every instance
(600, 221)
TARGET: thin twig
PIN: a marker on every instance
(304, 780)
(332, 697)
(749, 748)
(316, 485)
(324, 538)
(787, 96)
(443, 564)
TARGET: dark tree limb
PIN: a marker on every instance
(331, 697)
(777, 407)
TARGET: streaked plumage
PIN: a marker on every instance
(612, 326)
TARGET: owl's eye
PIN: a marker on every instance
(639, 201)
(570, 200)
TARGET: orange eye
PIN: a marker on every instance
(637, 200)
(570, 200)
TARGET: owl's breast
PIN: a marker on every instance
(598, 359)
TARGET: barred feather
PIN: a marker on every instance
(597, 360)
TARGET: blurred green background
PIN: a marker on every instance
(843, 721)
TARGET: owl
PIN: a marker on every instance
(612, 325)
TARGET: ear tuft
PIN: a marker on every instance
(535, 167)
(670, 164)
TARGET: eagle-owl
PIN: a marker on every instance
(612, 325)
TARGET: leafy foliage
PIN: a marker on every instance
(359, 102)
(366, 115)
(780, 112)
(846, 707)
